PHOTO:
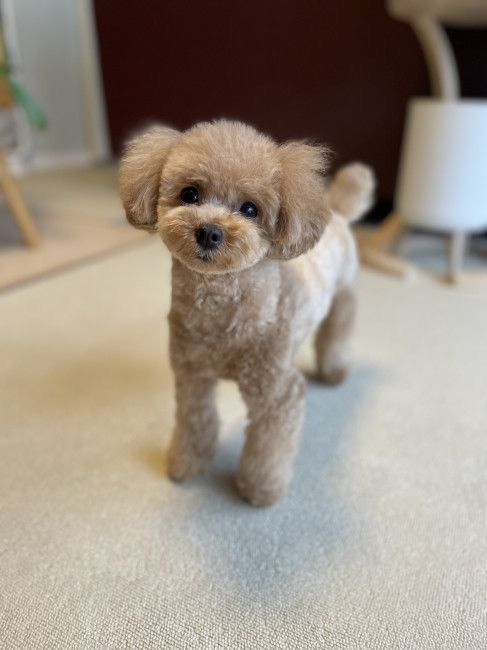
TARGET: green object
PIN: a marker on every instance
(33, 111)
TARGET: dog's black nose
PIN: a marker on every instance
(209, 236)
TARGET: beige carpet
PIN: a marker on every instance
(78, 215)
(381, 543)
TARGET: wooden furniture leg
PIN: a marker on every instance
(375, 253)
(16, 203)
(388, 233)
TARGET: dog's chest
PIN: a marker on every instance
(215, 312)
(222, 313)
(226, 315)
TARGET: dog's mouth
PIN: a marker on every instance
(204, 256)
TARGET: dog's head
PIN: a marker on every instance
(223, 196)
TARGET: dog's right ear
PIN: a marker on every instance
(140, 174)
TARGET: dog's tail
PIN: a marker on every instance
(351, 191)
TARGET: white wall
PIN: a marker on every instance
(53, 42)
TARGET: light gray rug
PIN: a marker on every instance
(381, 543)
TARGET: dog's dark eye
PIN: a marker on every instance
(249, 209)
(189, 195)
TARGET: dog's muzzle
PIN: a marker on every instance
(209, 236)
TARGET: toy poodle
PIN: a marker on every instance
(262, 256)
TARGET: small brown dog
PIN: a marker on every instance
(233, 208)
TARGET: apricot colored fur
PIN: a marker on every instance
(241, 313)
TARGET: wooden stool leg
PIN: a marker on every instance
(388, 233)
(456, 254)
(374, 251)
(386, 262)
(16, 203)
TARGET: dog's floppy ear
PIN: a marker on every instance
(303, 212)
(140, 174)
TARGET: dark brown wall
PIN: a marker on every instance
(336, 71)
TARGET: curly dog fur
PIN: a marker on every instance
(240, 309)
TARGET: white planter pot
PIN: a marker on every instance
(442, 182)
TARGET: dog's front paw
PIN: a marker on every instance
(183, 465)
(260, 493)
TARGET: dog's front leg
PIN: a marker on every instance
(196, 428)
(275, 404)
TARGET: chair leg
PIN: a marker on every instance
(16, 203)
(388, 233)
(386, 262)
(374, 251)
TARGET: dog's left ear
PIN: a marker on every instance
(303, 212)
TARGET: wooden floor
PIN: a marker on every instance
(78, 216)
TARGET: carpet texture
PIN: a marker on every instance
(381, 542)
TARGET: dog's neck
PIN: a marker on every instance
(245, 295)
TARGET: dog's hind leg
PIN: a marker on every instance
(332, 338)
(196, 430)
